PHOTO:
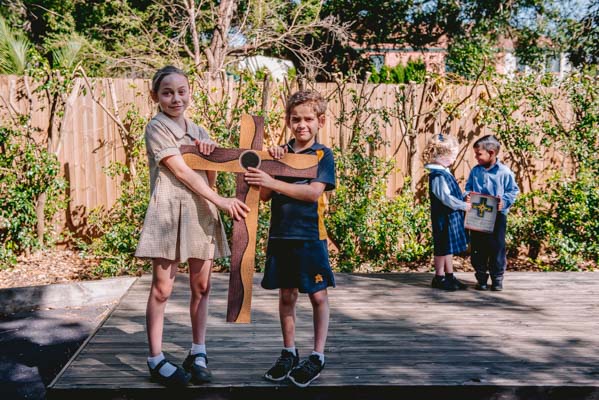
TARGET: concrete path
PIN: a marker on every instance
(41, 327)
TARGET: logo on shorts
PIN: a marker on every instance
(317, 278)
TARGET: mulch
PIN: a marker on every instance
(47, 267)
(64, 265)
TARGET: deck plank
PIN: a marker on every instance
(388, 330)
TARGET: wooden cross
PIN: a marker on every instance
(249, 154)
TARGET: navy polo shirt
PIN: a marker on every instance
(296, 219)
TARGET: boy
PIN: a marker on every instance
(493, 178)
(297, 253)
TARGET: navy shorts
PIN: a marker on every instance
(301, 264)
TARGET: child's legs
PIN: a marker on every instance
(199, 282)
(439, 265)
(448, 263)
(479, 256)
(163, 277)
(497, 260)
(320, 316)
(287, 300)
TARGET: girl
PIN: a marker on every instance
(182, 223)
(447, 210)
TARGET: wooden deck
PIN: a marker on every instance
(390, 336)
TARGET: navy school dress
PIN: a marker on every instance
(449, 234)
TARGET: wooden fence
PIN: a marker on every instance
(89, 138)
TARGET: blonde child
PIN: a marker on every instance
(182, 223)
(297, 253)
(447, 210)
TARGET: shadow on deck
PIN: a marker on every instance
(391, 336)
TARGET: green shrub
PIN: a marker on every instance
(413, 71)
(368, 228)
(114, 233)
(561, 223)
(26, 171)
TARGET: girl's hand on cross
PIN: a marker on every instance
(235, 208)
(205, 146)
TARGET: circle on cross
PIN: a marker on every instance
(249, 158)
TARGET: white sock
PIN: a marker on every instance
(197, 349)
(167, 369)
(290, 349)
(320, 355)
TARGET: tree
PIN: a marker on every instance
(463, 24)
(581, 38)
(241, 28)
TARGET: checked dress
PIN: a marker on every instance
(449, 235)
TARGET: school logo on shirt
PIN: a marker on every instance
(318, 278)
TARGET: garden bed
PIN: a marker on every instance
(60, 266)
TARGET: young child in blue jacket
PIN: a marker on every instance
(493, 178)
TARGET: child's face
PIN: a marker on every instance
(304, 123)
(173, 95)
(484, 157)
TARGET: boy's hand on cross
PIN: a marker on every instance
(277, 152)
(205, 146)
(258, 177)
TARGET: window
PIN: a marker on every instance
(552, 63)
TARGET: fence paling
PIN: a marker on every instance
(91, 141)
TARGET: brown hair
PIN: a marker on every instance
(488, 142)
(310, 97)
(440, 146)
(163, 73)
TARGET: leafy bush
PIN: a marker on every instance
(366, 227)
(558, 219)
(114, 234)
(27, 171)
(562, 223)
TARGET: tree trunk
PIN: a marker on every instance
(39, 214)
(219, 45)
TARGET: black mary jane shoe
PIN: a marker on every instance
(199, 374)
(179, 378)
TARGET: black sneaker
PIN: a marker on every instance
(285, 363)
(199, 374)
(497, 286)
(457, 284)
(307, 371)
(481, 286)
(437, 281)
